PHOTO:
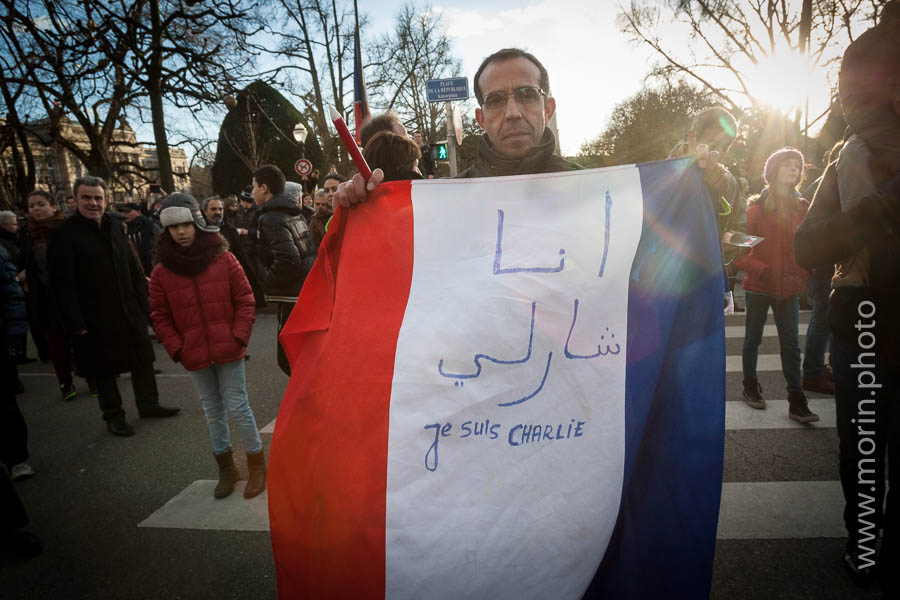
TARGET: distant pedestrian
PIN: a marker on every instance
(775, 280)
(396, 155)
(215, 214)
(101, 296)
(320, 218)
(142, 232)
(44, 214)
(203, 312)
(426, 163)
(285, 246)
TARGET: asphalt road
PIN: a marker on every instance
(131, 518)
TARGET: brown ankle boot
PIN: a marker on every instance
(256, 481)
(228, 475)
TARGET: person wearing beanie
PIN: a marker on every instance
(203, 311)
(842, 224)
(774, 279)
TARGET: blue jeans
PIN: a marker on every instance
(223, 393)
(818, 336)
(787, 315)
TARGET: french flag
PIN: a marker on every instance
(507, 387)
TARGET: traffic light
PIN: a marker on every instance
(439, 151)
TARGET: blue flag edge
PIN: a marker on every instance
(663, 544)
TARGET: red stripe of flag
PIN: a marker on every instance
(328, 464)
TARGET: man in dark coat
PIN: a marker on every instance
(215, 214)
(285, 246)
(101, 295)
(426, 163)
(142, 232)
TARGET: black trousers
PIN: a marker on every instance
(13, 431)
(143, 383)
(12, 512)
(284, 312)
(867, 399)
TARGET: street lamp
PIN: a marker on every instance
(300, 133)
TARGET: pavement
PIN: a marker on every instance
(135, 518)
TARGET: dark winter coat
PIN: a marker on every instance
(770, 266)
(285, 247)
(13, 319)
(236, 247)
(10, 241)
(206, 318)
(37, 275)
(828, 236)
(541, 159)
(98, 286)
(142, 232)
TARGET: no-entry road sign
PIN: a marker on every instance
(303, 167)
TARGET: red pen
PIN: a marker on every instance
(350, 144)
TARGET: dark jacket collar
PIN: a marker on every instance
(540, 159)
(282, 202)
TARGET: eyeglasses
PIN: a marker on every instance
(523, 95)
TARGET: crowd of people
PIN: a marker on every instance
(89, 282)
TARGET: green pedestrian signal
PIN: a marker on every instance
(439, 151)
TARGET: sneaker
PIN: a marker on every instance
(863, 570)
(798, 409)
(819, 383)
(753, 394)
(67, 391)
(21, 471)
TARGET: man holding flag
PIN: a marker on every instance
(593, 470)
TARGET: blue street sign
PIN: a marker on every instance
(442, 90)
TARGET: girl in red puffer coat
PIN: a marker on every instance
(203, 311)
(774, 279)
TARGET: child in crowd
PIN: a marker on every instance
(773, 278)
(203, 312)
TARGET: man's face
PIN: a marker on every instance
(418, 137)
(323, 204)
(514, 128)
(70, 202)
(131, 215)
(330, 188)
(260, 193)
(215, 212)
(90, 201)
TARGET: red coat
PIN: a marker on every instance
(206, 318)
(770, 266)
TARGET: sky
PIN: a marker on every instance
(592, 65)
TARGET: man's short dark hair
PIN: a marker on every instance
(270, 176)
(714, 123)
(509, 54)
(210, 199)
(340, 178)
(90, 181)
(383, 122)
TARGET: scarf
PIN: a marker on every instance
(38, 230)
(539, 159)
(192, 260)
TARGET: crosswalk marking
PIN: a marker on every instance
(765, 362)
(751, 510)
(781, 509)
(740, 416)
(196, 508)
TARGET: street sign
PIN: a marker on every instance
(303, 167)
(443, 90)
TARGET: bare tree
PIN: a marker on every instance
(417, 50)
(729, 38)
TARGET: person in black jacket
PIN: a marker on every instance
(426, 162)
(101, 297)
(142, 232)
(215, 214)
(863, 318)
(285, 246)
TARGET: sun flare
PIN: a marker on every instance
(784, 81)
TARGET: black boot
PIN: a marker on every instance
(228, 475)
(798, 409)
(118, 426)
(753, 394)
(256, 481)
(158, 411)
